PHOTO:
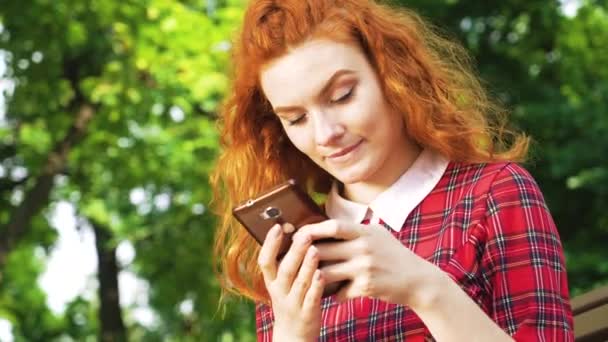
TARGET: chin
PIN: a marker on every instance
(352, 175)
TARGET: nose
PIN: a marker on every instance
(327, 130)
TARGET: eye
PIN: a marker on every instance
(344, 97)
(297, 120)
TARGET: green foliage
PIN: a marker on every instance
(22, 303)
(155, 71)
(550, 70)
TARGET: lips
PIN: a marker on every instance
(346, 150)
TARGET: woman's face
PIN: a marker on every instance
(332, 108)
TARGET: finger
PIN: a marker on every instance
(289, 266)
(312, 300)
(304, 277)
(267, 259)
(339, 271)
(343, 250)
(331, 229)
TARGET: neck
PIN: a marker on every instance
(393, 168)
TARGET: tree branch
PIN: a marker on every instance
(38, 196)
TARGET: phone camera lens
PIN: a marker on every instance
(271, 213)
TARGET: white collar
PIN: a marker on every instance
(395, 203)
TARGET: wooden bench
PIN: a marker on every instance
(591, 315)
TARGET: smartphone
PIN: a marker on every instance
(285, 203)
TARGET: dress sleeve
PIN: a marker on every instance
(523, 261)
(264, 321)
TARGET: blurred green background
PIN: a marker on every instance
(107, 137)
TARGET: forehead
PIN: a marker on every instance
(304, 69)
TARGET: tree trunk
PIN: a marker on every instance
(37, 197)
(110, 314)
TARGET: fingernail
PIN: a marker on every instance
(288, 228)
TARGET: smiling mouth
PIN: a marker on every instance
(346, 150)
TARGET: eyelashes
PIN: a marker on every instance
(341, 100)
(296, 121)
(344, 97)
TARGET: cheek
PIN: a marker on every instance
(301, 139)
(381, 120)
(365, 118)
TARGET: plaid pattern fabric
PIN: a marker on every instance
(488, 227)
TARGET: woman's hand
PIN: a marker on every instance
(376, 263)
(295, 286)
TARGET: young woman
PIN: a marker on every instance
(444, 236)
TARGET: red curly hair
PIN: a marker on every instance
(423, 75)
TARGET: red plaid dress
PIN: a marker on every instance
(488, 227)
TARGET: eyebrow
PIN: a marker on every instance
(326, 88)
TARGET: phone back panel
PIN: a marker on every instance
(295, 207)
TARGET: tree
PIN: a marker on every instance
(147, 76)
(114, 109)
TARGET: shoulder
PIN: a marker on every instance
(514, 186)
(508, 174)
(485, 189)
(515, 207)
(483, 178)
